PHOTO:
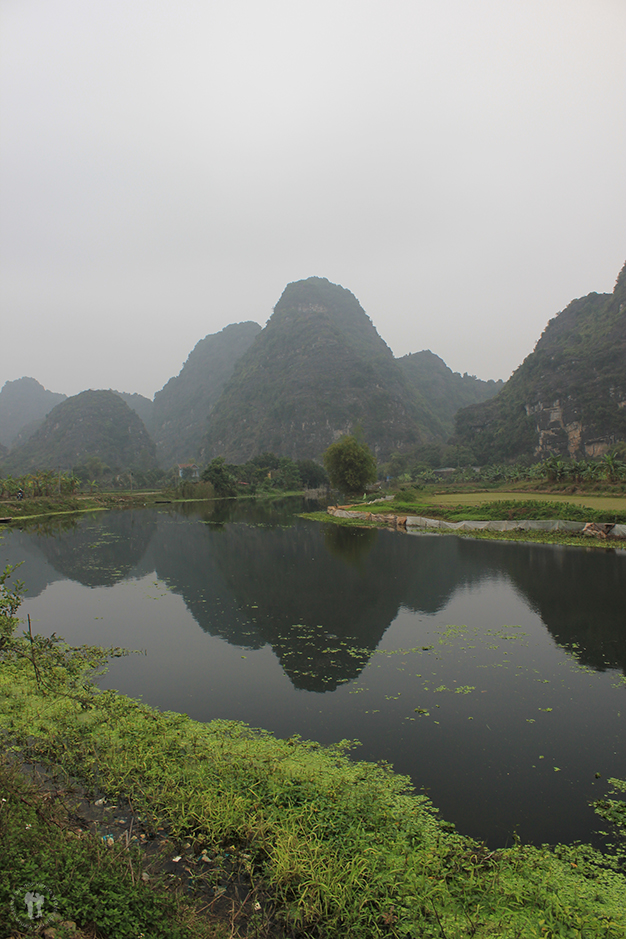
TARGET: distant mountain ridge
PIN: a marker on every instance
(92, 424)
(568, 397)
(444, 390)
(23, 403)
(180, 412)
(141, 405)
(319, 369)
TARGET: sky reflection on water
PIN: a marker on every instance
(336, 633)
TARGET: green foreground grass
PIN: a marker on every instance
(334, 847)
(64, 505)
(84, 879)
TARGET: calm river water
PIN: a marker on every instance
(489, 672)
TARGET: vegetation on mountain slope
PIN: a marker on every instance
(319, 370)
(444, 390)
(316, 371)
(93, 425)
(182, 407)
(568, 397)
(23, 405)
(141, 405)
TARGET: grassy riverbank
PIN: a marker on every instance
(64, 505)
(22, 510)
(322, 845)
(604, 502)
(571, 539)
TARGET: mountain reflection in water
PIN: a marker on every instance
(246, 579)
(333, 632)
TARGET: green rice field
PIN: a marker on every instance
(612, 503)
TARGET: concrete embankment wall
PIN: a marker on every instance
(540, 524)
(420, 522)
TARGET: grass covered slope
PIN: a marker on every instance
(335, 847)
(94, 883)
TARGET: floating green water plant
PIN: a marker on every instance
(340, 847)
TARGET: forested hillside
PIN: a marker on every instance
(141, 405)
(23, 404)
(181, 409)
(319, 369)
(93, 425)
(444, 390)
(568, 397)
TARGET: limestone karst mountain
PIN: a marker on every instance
(23, 405)
(141, 405)
(318, 370)
(444, 390)
(180, 413)
(91, 425)
(568, 397)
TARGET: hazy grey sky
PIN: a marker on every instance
(168, 167)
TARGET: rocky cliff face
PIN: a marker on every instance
(569, 395)
(318, 370)
(180, 413)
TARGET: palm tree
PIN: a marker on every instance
(612, 466)
(554, 468)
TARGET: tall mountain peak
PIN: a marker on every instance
(23, 405)
(316, 371)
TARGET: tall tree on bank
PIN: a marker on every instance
(350, 465)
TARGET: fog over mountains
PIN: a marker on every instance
(318, 370)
